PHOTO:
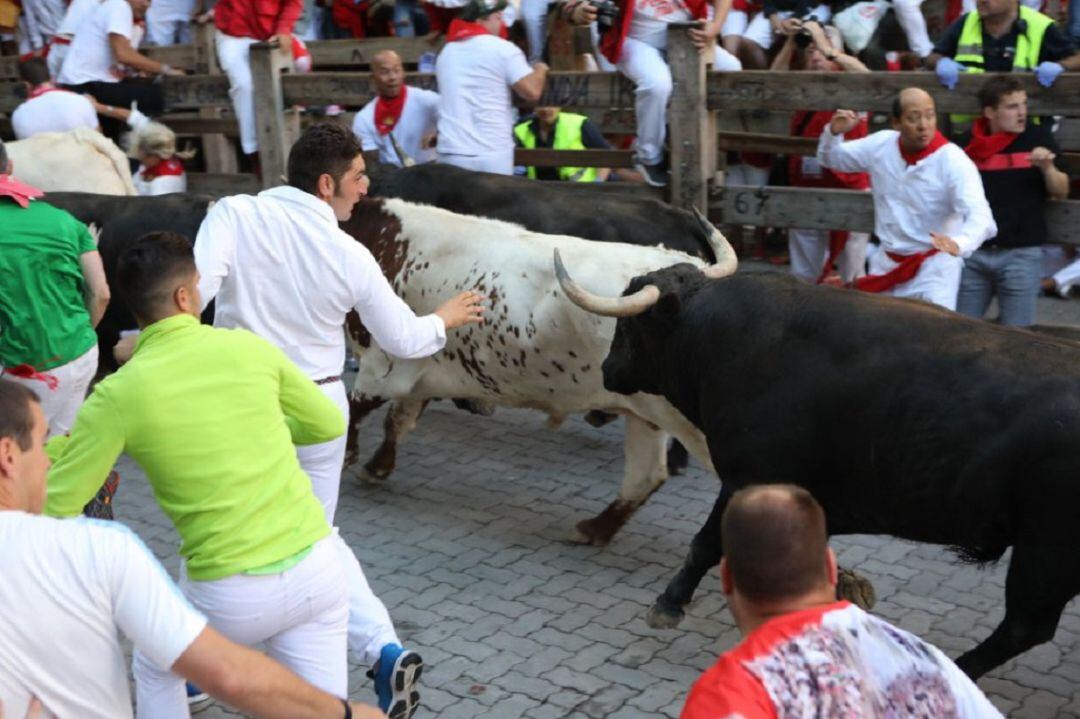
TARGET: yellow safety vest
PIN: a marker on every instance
(567, 137)
(969, 49)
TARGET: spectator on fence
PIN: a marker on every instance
(401, 117)
(161, 167)
(929, 206)
(477, 72)
(168, 22)
(77, 11)
(240, 24)
(1003, 36)
(1016, 160)
(40, 21)
(814, 252)
(778, 18)
(554, 129)
(803, 653)
(48, 108)
(102, 53)
(52, 294)
(636, 41)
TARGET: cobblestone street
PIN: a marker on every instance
(466, 545)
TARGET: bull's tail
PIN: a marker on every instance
(109, 149)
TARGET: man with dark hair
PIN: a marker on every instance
(803, 652)
(48, 108)
(53, 293)
(279, 265)
(1016, 159)
(217, 448)
(929, 207)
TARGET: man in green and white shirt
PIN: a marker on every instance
(52, 294)
(212, 417)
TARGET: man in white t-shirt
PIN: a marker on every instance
(476, 72)
(69, 585)
(100, 55)
(77, 11)
(401, 114)
(48, 108)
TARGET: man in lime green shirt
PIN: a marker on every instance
(52, 294)
(212, 417)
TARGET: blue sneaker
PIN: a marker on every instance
(396, 673)
(196, 695)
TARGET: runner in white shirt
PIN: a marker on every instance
(69, 585)
(476, 72)
(279, 265)
(77, 11)
(102, 49)
(929, 207)
(400, 113)
(48, 108)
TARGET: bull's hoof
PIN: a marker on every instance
(661, 617)
(592, 533)
(476, 406)
(368, 475)
(351, 458)
(856, 589)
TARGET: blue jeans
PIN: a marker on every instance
(1012, 275)
(1072, 29)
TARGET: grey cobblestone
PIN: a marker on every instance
(514, 622)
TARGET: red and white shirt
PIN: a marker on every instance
(50, 109)
(834, 661)
(165, 177)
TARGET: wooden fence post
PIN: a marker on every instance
(267, 62)
(218, 152)
(689, 121)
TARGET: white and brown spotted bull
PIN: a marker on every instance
(535, 350)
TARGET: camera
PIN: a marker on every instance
(803, 38)
(606, 13)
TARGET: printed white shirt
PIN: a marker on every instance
(53, 111)
(475, 75)
(90, 57)
(279, 265)
(68, 585)
(941, 193)
(419, 117)
(651, 18)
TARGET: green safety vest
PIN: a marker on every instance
(567, 137)
(969, 49)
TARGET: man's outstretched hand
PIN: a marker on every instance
(463, 309)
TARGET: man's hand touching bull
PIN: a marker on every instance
(463, 309)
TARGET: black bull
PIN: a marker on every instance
(901, 418)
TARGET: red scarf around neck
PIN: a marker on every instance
(936, 144)
(42, 89)
(462, 30)
(985, 144)
(388, 112)
(22, 194)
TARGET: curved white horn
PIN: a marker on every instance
(635, 304)
(726, 260)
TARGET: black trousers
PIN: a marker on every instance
(121, 94)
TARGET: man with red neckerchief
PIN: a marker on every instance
(400, 113)
(48, 108)
(803, 653)
(929, 208)
(477, 70)
(1016, 161)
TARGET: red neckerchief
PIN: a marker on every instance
(936, 144)
(42, 89)
(22, 194)
(388, 112)
(165, 168)
(462, 30)
(985, 144)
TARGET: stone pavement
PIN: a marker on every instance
(465, 544)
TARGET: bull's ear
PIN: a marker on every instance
(668, 306)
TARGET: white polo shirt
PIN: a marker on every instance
(476, 114)
(90, 57)
(54, 110)
(419, 117)
(68, 585)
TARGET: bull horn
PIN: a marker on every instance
(726, 260)
(635, 304)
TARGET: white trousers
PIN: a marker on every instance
(760, 29)
(168, 32)
(370, 626)
(1067, 277)
(909, 15)
(499, 163)
(534, 14)
(810, 248)
(55, 60)
(937, 281)
(60, 405)
(301, 614)
(647, 69)
(233, 57)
